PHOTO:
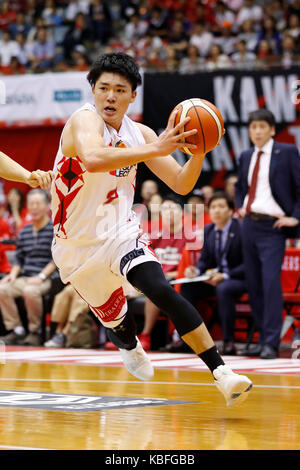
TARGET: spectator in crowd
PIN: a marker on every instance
(148, 188)
(249, 11)
(207, 192)
(78, 34)
(74, 7)
(168, 246)
(34, 263)
(79, 60)
(243, 58)
(192, 63)
(268, 196)
(14, 68)
(201, 38)
(294, 8)
(5, 236)
(178, 39)
(222, 253)
(17, 214)
(223, 15)
(217, 60)
(43, 51)
(20, 25)
(293, 28)
(158, 22)
(8, 48)
(52, 15)
(135, 28)
(37, 25)
(230, 182)
(248, 34)
(289, 52)
(226, 39)
(171, 63)
(150, 215)
(24, 49)
(7, 15)
(100, 20)
(265, 56)
(270, 34)
(66, 308)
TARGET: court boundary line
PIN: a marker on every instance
(199, 384)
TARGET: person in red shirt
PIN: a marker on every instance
(5, 234)
(168, 245)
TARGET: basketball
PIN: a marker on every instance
(206, 118)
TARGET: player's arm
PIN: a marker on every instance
(87, 130)
(180, 179)
(12, 171)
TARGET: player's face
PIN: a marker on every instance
(260, 133)
(113, 94)
(219, 212)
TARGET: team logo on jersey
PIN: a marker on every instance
(122, 172)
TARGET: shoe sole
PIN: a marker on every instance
(240, 395)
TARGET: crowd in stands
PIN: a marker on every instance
(162, 35)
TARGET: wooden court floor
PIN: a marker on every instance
(145, 417)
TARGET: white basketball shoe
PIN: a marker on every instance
(234, 387)
(137, 362)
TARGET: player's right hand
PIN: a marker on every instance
(40, 178)
(171, 140)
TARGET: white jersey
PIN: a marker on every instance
(90, 207)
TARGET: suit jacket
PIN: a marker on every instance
(233, 250)
(284, 178)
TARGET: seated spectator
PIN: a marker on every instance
(135, 28)
(148, 188)
(78, 34)
(66, 308)
(158, 22)
(7, 15)
(100, 20)
(201, 38)
(289, 55)
(34, 265)
(230, 182)
(20, 25)
(192, 63)
(248, 34)
(217, 60)
(265, 56)
(43, 51)
(207, 192)
(80, 60)
(24, 49)
(178, 39)
(243, 58)
(223, 15)
(225, 38)
(293, 27)
(270, 33)
(168, 246)
(74, 7)
(150, 217)
(222, 251)
(8, 48)
(14, 68)
(249, 11)
(52, 15)
(171, 63)
(5, 236)
(17, 214)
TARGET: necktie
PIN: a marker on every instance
(219, 249)
(253, 185)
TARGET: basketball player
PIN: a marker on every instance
(98, 245)
(12, 171)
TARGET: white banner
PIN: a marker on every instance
(49, 98)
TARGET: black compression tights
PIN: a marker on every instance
(150, 280)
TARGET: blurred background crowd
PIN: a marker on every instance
(162, 35)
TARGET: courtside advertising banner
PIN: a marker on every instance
(48, 98)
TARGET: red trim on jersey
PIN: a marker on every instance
(112, 308)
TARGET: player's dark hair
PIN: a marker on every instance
(262, 114)
(116, 62)
(222, 195)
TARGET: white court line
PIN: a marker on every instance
(22, 448)
(199, 384)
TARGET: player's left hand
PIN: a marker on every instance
(286, 222)
(40, 178)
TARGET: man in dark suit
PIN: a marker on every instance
(222, 251)
(268, 197)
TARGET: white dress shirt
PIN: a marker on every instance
(264, 202)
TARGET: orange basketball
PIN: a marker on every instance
(206, 118)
